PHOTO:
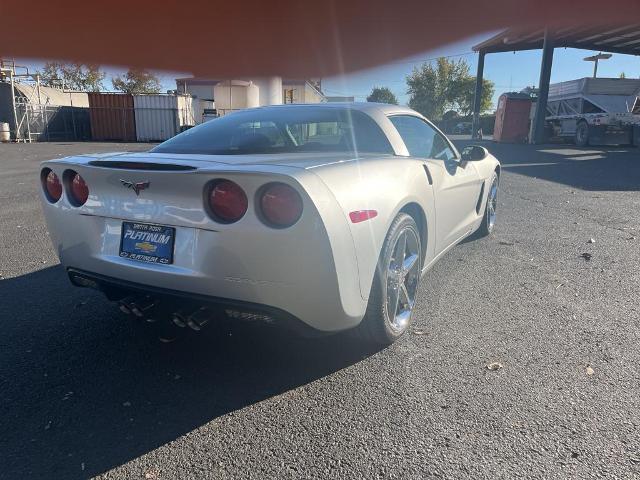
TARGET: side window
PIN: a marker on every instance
(421, 139)
(441, 149)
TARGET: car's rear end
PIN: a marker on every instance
(259, 241)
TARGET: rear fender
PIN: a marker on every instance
(386, 186)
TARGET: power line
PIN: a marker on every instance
(431, 59)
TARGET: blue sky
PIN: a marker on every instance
(508, 71)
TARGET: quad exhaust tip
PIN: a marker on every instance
(142, 306)
(125, 304)
(137, 305)
(192, 318)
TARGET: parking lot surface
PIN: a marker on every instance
(85, 391)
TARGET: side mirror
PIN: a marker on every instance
(474, 153)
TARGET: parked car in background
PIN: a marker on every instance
(462, 128)
(323, 217)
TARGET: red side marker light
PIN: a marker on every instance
(362, 215)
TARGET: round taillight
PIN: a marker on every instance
(280, 205)
(78, 189)
(52, 185)
(227, 201)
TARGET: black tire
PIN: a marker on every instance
(487, 225)
(581, 138)
(376, 326)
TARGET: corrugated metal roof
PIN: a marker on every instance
(610, 38)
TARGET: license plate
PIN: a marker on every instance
(147, 243)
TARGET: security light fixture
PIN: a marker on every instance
(595, 58)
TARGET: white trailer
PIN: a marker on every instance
(595, 111)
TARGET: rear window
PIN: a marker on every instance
(282, 130)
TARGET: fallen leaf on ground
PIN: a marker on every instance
(590, 371)
(494, 366)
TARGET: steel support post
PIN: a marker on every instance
(475, 126)
(543, 94)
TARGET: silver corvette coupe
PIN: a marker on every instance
(323, 217)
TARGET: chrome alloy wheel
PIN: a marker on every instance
(492, 204)
(403, 274)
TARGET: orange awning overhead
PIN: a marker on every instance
(283, 37)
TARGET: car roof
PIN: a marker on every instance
(385, 108)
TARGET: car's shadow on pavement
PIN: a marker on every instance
(595, 168)
(85, 389)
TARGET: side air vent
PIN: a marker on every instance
(426, 170)
(158, 167)
(479, 202)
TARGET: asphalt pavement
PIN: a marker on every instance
(85, 391)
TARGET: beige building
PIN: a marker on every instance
(301, 91)
(226, 96)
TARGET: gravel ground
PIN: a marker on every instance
(87, 392)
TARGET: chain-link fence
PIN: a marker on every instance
(38, 122)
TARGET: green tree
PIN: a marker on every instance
(622, 75)
(72, 76)
(382, 95)
(447, 85)
(137, 81)
(424, 89)
(467, 94)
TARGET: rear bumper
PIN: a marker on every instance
(291, 272)
(116, 289)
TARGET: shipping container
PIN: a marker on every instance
(160, 117)
(112, 117)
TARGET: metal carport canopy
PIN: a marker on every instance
(617, 38)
